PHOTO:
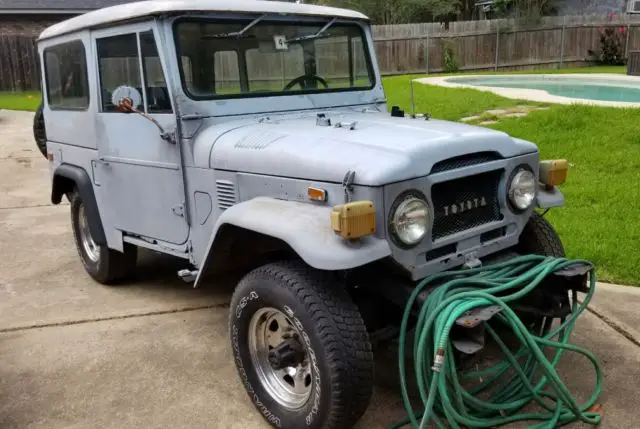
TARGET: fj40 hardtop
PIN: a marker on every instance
(255, 135)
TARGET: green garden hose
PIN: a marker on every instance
(446, 403)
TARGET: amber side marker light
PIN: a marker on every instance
(50, 156)
(554, 172)
(317, 194)
(354, 220)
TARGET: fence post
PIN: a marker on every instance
(626, 45)
(497, 44)
(426, 56)
(564, 26)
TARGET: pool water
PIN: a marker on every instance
(564, 87)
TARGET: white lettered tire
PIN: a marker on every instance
(301, 348)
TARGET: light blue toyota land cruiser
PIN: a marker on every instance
(255, 135)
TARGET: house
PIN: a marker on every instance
(30, 17)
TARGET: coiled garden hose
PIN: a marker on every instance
(446, 403)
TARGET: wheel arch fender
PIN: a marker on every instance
(66, 178)
(304, 227)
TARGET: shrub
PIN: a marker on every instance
(450, 64)
(611, 46)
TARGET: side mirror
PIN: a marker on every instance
(126, 99)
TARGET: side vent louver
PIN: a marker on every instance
(226, 194)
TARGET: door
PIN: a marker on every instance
(139, 171)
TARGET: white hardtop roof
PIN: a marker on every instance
(141, 9)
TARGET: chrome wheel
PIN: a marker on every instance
(90, 247)
(279, 357)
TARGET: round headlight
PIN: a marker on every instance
(522, 190)
(410, 221)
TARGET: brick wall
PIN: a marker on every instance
(27, 25)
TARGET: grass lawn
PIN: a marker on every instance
(601, 219)
(19, 100)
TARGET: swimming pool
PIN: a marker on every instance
(599, 89)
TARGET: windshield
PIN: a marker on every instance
(256, 57)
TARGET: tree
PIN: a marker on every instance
(403, 11)
(525, 8)
(380, 11)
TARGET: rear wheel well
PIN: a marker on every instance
(62, 186)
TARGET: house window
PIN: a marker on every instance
(65, 67)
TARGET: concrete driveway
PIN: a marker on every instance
(155, 354)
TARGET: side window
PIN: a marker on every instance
(187, 69)
(65, 67)
(119, 65)
(158, 100)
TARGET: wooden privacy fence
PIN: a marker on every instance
(19, 66)
(499, 44)
(418, 48)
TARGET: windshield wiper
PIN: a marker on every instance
(236, 34)
(319, 34)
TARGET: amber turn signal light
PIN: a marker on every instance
(354, 220)
(554, 172)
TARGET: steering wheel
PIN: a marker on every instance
(304, 80)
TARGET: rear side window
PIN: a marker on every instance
(65, 68)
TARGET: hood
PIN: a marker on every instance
(380, 149)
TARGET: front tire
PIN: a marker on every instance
(106, 266)
(540, 238)
(301, 348)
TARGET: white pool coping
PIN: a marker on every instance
(540, 95)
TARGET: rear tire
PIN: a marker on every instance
(39, 131)
(306, 316)
(106, 266)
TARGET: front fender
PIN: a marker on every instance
(305, 227)
(549, 198)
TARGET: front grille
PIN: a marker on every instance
(465, 203)
(493, 235)
(440, 252)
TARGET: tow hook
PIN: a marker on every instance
(471, 261)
